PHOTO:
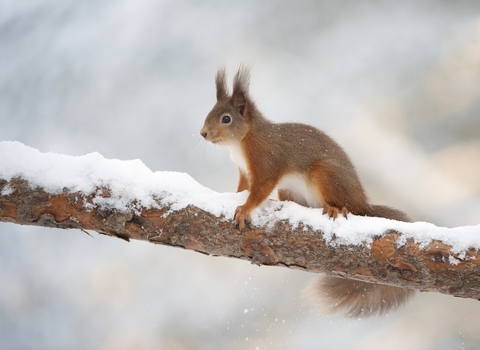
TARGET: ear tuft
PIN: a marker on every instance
(221, 83)
(241, 83)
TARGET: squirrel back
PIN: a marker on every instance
(305, 166)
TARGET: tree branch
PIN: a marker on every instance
(435, 267)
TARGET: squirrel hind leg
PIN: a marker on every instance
(355, 298)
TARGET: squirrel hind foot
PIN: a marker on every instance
(355, 298)
(333, 211)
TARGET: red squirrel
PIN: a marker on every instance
(307, 167)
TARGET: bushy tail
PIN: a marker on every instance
(356, 298)
(382, 211)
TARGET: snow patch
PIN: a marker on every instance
(452, 260)
(7, 190)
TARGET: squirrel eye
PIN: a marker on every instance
(226, 119)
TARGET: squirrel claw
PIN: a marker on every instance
(332, 211)
(240, 216)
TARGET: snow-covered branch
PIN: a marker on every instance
(127, 200)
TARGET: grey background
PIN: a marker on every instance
(395, 83)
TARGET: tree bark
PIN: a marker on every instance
(191, 228)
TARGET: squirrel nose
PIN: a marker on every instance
(204, 134)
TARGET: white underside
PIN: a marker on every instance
(296, 184)
(301, 190)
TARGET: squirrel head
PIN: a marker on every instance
(231, 117)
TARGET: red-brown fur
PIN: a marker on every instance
(242, 182)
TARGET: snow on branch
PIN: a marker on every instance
(128, 200)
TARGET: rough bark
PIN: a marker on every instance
(192, 228)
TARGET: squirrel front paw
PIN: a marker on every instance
(332, 211)
(240, 215)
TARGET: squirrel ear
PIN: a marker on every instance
(221, 83)
(240, 89)
(239, 102)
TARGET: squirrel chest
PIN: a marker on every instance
(237, 156)
(297, 185)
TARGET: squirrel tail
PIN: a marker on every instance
(382, 211)
(356, 298)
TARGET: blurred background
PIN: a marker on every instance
(396, 83)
